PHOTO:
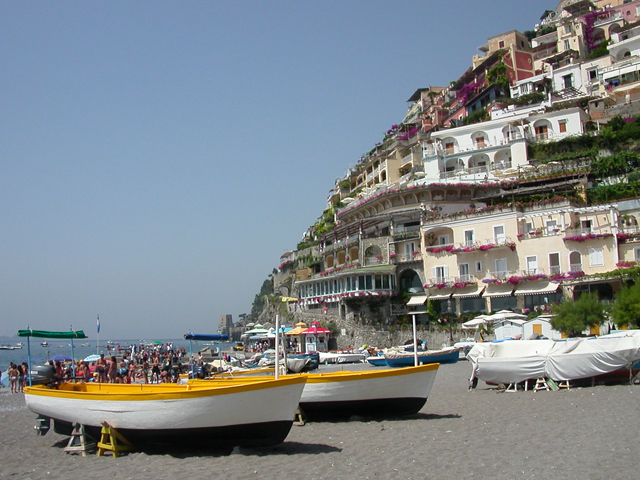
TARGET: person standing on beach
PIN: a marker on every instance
(13, 377)
(112, 371)
(101, 369)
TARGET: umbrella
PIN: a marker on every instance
(62, 358)
(92, 358)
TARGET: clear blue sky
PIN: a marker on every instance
(158, 157)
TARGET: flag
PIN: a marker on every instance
(98, 323)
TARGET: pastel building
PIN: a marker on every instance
(519, 257)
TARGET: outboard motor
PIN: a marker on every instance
(42, 426)
(42, 375)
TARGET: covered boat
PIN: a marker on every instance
(572, 359)
(216, 414)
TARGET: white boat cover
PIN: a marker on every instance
(515, 361)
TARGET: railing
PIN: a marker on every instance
(439, 280)
(408, 258)
(503, 274)
(631, 229)
(370, 261)
(468, 278)
(583, 232)
(534, 271)
(575, 267)
(555, 270)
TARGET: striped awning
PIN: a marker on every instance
(417, 300)
(537, 288)
(502, 290)
(469, 291)
(440, 293)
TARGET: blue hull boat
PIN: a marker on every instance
(405, 359)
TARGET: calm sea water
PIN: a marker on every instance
(40, 354)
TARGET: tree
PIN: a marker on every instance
(573, 317)
(626, 307)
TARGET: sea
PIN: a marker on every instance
(62, 348)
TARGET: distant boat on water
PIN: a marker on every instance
(10, 347)
(45, 344)
(85, 345)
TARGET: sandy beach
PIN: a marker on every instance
(584, 433)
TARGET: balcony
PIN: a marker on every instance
(372, 261)
(407, 257)
(585, 234)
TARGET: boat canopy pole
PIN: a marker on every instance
(277, 347)
(415, 343)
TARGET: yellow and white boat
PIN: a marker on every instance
(367, 393)
(216, 414)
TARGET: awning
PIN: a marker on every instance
(469, 291)
(417, 300)
(440, 294)
(536, 288)
(214, 336)
(502, 290)
(54, 335)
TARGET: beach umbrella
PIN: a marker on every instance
(62, 358)
(92, 358)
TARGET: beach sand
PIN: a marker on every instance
(584, 433)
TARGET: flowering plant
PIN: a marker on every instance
(492, 281)
(415, 252)
(520, 235)
(623, 236)
(514, 279)
(393, 255)
(626, 264)
(460, 284)
(584, 238)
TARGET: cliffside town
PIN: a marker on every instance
(514, 187)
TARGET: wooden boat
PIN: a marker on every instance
(367, 393)
(395, 358)
(218, 414)
(377, 360)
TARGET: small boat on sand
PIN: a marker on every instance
(405, 358)
(366, 393)
(214, 415)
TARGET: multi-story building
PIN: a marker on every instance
(519, 256)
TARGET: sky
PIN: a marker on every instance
(158, 157)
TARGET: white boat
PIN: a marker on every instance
(367, 393)
(10, 347)
(257, 413)
(516, 361)
(45, 344)
(341, 357)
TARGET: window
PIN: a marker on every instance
(567, 29)
(528, 227)
(552, 227)
(443, 240)
(532, 265)
(567, 81)
(586, 227)
(479, 142)
(541, 132)
(498, 234)
(448, 147)
(501, 44)
(440, 274)
(575, 261)
(468, 238)
(554, 263)
(478, 265)
(592, 74)
(463, 270)
(501, 267)
(567, 45)
(596, 257)
(562, 126)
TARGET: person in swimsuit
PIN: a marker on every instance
(112, 371)
(13, 377)
(101, 369)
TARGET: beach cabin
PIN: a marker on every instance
(509, 328)
(540, 326)
(316, 338)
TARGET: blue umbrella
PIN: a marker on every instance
(62, 358)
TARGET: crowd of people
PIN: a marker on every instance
(138, 363)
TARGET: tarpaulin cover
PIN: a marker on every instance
(519, 360)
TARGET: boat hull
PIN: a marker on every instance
(219, 415)
(407, 361)
(369, 393)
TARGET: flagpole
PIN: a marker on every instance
(98, 336)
